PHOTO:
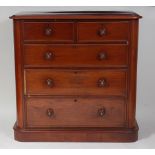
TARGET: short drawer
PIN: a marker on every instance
(103, 31)
(113, 55)
(75, 112)
(48, 31)
(75, 82)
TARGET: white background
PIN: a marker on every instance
(145, 85)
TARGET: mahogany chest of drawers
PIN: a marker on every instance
(76, 76)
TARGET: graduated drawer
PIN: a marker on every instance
(75, 82)
(75, 112)
(113, 55)
(48, 31)
(103, 31)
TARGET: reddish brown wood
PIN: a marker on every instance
(115, 55)
(76, 76)
(133, 73)
(75, 82)
(78, 15)
(44, 31)
(19, 73)
(92, 31)
(75, 112)
(77, 135)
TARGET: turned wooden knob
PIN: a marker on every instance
(50, 112)
(49, 55)
(49, 82)
(48, 31)
(101, 112)
(102, 56)
(102, 82)
(102, 32)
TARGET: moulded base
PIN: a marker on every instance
(77, 135)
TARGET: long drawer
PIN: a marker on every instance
(71, 112)
(48, 55)
(75, 82)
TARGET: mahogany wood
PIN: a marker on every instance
(75, 82)
(61, 55)
(76, 76)
(77, 134)
(75, 112)
(53, 31)
(101, 31)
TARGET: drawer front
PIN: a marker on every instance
(103, 31)
(75, 55)
(48, 31)
(75, 82)
(79, 112)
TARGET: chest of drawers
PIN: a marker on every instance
(76, 76)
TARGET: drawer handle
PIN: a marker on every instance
(49, 55)
(49, 82)
(102, 32)
(102, 56)
(50, 112)
(101, 112)
(102, 82)
(48, 31)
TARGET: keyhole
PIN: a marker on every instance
(75, 100)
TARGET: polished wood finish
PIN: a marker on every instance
(62, 55)
(76, 76)
(19, 72)
(108, 15)
(102, 31)
(75, 112)
(77, 134)
(44, 31)
(74, 82)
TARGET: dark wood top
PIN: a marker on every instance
(77, 15)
